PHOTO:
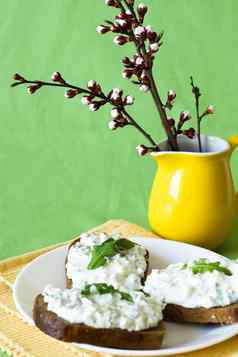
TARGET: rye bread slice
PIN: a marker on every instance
(216, 315)
(69, 283)
(58, 328)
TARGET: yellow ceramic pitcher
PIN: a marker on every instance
(193, 198)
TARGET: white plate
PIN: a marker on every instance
(49, 269)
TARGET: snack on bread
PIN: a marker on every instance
(125, 270)
(199, 291)
(130, 321)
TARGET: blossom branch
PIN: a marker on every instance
(120, 116)
(209, 110)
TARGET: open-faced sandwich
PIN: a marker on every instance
(199, 291)
(100, 315)
(110, 259)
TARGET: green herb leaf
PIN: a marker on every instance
(102, 289)
(108, 249)
(202, 266)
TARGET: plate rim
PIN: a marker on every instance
(125, 352)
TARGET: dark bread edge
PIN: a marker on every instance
(217, 315)
(53, 325)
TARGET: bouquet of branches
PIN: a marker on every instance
(128, 27)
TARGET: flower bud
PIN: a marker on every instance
(140, 32)
(127, 73)
(210, 109)
(154, 47)
(184, 116)
(126, 61)
(142, 150)
(139, 61)
(116, 94)
(91, 84)
(56, 77)
(144, 88)
(94, 106)
(70, 93)
(86, 99)
(18, 77)
(171, 122)
(122, 23)
(115, 113)
(142, 10)
(113, 3)
(171, 96)
(129, 100)
(151, 34)
(102, 29)
(190, 133)
(32, 89)
(121, 40)
(113, 124)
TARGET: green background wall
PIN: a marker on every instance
(61, 170)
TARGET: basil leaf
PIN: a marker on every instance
(108, 249)
(202, 266)
(124, 244)
(102, 289)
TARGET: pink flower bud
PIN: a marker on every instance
(210, 109)
(113, 3)
(140, 32)
(184, 116)
(102, 29)
(142, 150)
(18, 77)
(113, 124)
(142, 10)
(126, 61)
(115, 113)
(70, 93)
(190, 133)
(129, 100)
(86, 99)
(32, 89)
(56, 77)
(139, 61)
(121, 40)
(151, 34)
(94, 106)
(171, 96)
(91, 84)
(127, 73)
(122, 23)
(116, 94)
(143, 75)
(154, 47)
(171, 122)
(144, 88)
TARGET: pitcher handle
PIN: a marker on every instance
(233, 141)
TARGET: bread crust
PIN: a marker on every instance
(225, 315)
(58, 328)
(69, 283)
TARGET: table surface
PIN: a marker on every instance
(64, 172)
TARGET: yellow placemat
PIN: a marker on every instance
(22, 340)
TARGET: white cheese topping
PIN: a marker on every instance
(104, 311)
(123, 272)
(176, 285)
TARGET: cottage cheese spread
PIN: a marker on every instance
(104, 311)
(176, 285)
(123, 272)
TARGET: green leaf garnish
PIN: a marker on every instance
(108, 249)
(202, 266)
(102, 289)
